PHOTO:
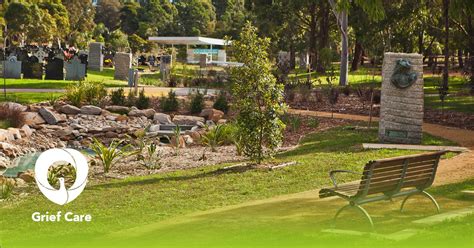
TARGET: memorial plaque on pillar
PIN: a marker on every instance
(12, 68)
(55, 69)
(401, 110)
(96, 58)
(32, 68)
(75, 70)
(123, 63)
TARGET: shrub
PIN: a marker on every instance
(151, 160)
(197, 103)
(346, 90)
(6, 188)
(108, 154)
(143, 102)
(170, 103)
(117, 97)
(131, 97)
(221, 103)
(214, 137)
(292, 122)
(86, 92)
(11, 117)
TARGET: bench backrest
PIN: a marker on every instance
(389, 176)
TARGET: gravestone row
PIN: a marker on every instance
(32, 68)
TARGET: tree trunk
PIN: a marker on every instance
(421, 47)
(344, 73)
(357, 56)
(292, 63)
(323, 33)
(460, 59)
(446, 45)
(312, 37)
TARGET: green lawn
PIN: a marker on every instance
(106, 76)
(453, 103)
(30, 97)
(135, 202)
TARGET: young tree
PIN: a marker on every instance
(258, 98)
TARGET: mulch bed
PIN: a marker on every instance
(353, 105)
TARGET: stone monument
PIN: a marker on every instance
(95, 58)
(123, 63)
(401, 109)
(55, 69)
(75, 70)
(32, 68)
(165, 67)
(12, 68)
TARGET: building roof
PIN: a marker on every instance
(189, 41)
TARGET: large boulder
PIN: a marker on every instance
(14, 106)
(69, 109)
(32, 118)
(212, 114)
(160, 118)
(91, 110)
(148, 113)
(187, 120)
(118, 109)
(49, 116)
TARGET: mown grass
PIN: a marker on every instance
(137, 201)
(452, 103)
(30, 97)
(106, 76)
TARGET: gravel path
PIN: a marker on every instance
(455, 169)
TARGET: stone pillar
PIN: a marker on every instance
(401, 110)
(123, 63)
(190, 55)
(95, 58)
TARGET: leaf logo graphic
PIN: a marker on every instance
(63, 195)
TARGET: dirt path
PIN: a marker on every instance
(456, 169)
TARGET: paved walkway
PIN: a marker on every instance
(456, 169)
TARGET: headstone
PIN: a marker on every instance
(41, 55)
(32, 68)
(401, 110)
(165, 65)
(222, 56)
(96, 58)
(12, 68)
(123, 63)
(55, 69)
(202, 60)
(75, 70)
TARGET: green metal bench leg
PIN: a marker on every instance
(358, 207)
(424, 193)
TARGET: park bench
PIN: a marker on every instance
(386, 179)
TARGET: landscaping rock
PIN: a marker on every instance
(26, 131)
(64, 132)
(15, 132)
(118, 109)
(148, 113)
(49, 116)
(32, 118)
(6, 136)
(212, 114)
(111, 135)
(161, 118)
(9, 150)
(14, 106)
(154, 128)
(188, 140)
(28, 176)
(5, 163)
(121, 118)
(69, 109)
(90, 110)
(187, 120)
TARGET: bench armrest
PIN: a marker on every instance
(334, 172)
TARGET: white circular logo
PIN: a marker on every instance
(63, 195)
